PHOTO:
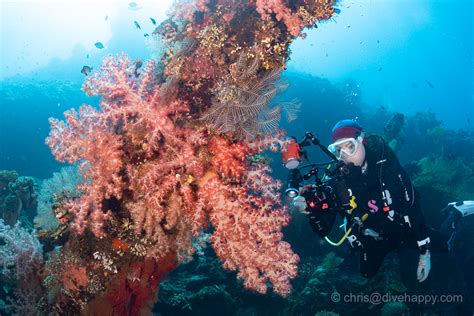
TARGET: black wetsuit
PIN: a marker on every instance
(385, 193)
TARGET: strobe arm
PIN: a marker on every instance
(315, 141)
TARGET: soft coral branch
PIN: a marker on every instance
(248, 221)
(87, 138)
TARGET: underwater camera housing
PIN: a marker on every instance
(328, 191)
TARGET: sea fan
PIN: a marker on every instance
(65, 183)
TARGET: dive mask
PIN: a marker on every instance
(345, 147)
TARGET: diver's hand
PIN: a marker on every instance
(299, 204)
(424, 266)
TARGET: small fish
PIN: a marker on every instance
(86, 70)
(133, 6)
(327, 55)
(378, 42)
(99, 45)
(337, 11)
(137, 25)
(347, 27)
(87, 56)
(380, 69)
(429, 84)
(153, 21)
(106, 17)
(146, 35)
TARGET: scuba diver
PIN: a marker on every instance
(373, 193)
(366, 185)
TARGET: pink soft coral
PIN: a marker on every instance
(248, 221)
(171, 178)
(87, 138)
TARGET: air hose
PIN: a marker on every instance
(363, 218)
(340, 241)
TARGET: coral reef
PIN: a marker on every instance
(234, 207)
(21, 262)
(194, 289)
(16, 194)
(190, 289)
(166, 159)
(20, 252)
(164, 202)
(440, 173)
(228, 55)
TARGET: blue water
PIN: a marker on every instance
(403, 55)
(406, 55)
(373, 58)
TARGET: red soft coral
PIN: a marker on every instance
(136, 286)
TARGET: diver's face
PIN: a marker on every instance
(349, 150)
(353, 152)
